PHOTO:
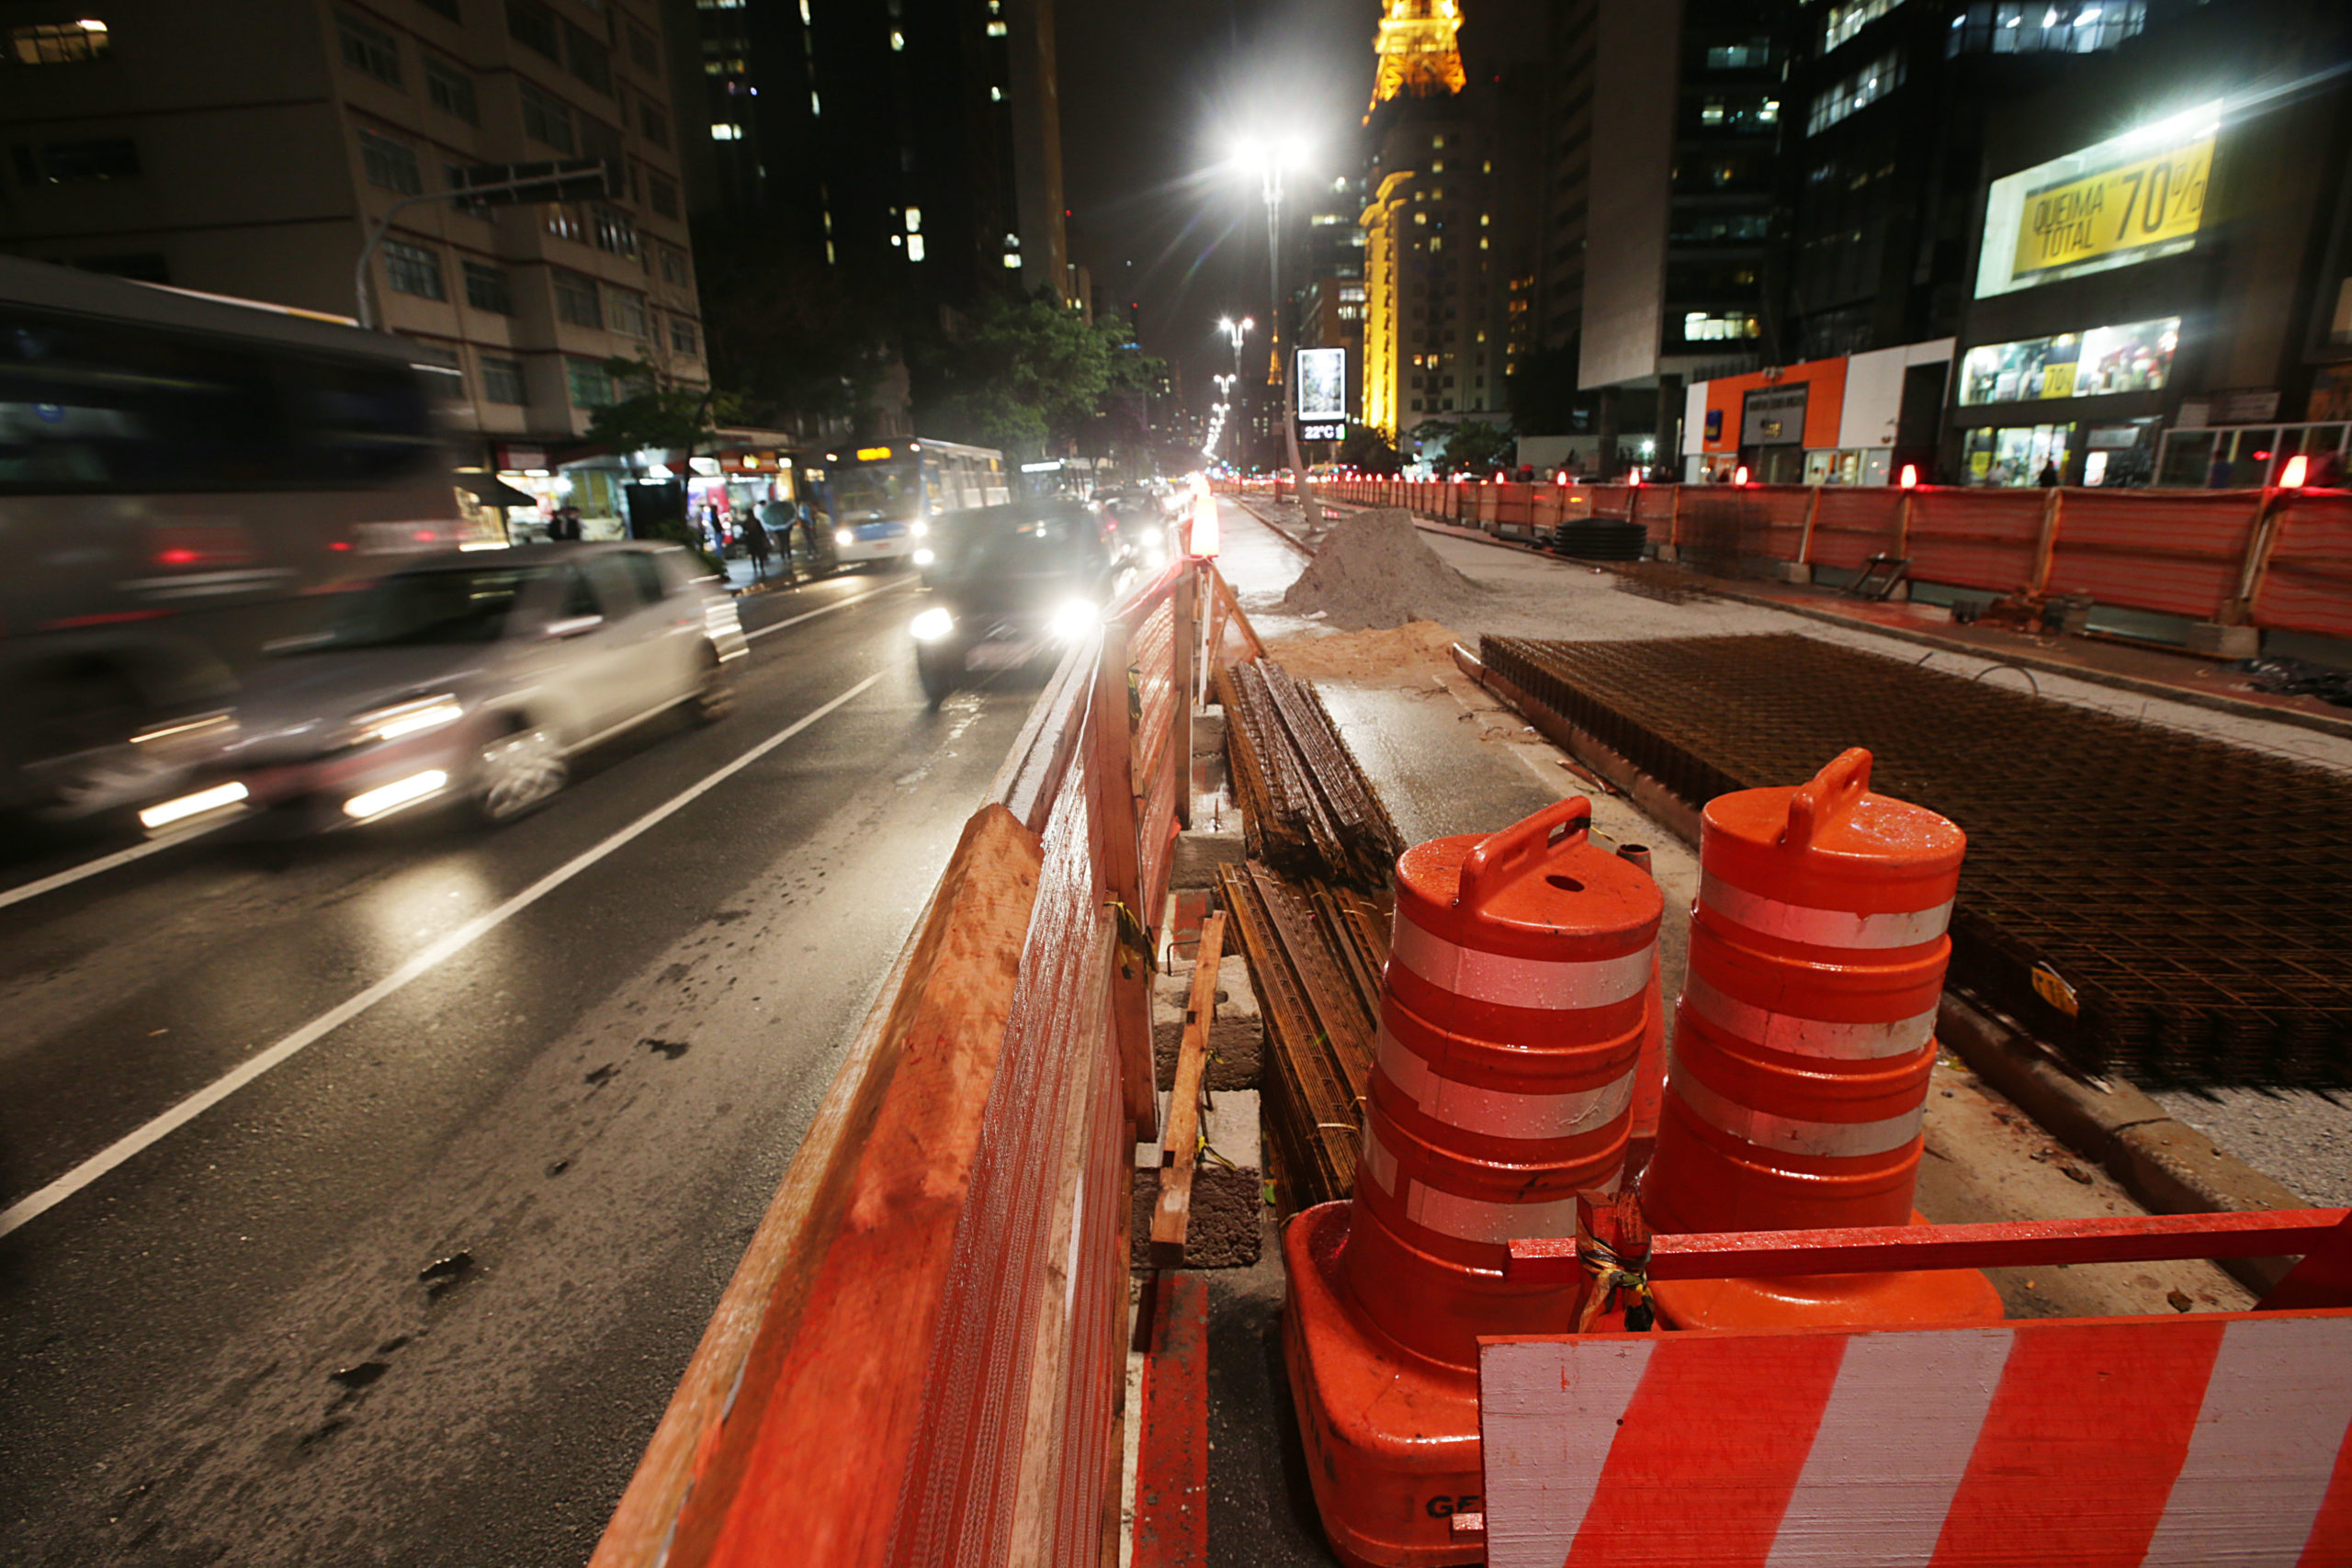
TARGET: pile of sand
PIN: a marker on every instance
(1413, 651)
(1374, 571)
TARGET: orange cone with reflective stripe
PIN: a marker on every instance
(1518, 992)
(1803, 1043)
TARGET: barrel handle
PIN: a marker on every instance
(1832, 791)
(1500, 859)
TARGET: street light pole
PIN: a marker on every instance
(1271, 181)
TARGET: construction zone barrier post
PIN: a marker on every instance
(1513, 1011)
(1804, 1042)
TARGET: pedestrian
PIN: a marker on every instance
(776, 521)
(755, 543)
(564, 525)
(2049, 476)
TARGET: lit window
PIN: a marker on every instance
(412, 269)
(727, 133)
(996, 95)
(914, 220)
(804, 12)
(897, 41)
(1437, 166)
(1012, 261)
(829, 252)
(914, 247)
(1420, 216)
(57, 43)
(996, 29)
(814, 107)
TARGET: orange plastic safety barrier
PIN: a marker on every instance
(1513, 1012)
(1804, 1042)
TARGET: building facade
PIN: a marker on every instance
(1433, 282)
(915, 142)
(248, 147)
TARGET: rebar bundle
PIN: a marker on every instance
(1306, 804)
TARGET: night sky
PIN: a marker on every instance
(1153, 94)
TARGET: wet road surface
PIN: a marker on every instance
(364, 1197)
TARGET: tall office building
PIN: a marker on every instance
(913, 142)
(1328, 308)
(1433, 295)
(247, 147)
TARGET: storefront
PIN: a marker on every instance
(1852, 421)
(2082, 403)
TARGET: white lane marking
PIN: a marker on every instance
(139, 851)
(33, 1206)
(829, 609)
(105, 863)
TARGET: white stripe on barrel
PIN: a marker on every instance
(1821, 928)
(1548, 985)
(1469, 1219)
(1501, 1112)
(1791, 1134)
(1808, 1036)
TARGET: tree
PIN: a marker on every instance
(1476, 445)
(798, 340)
(1030, 375)
(655, 410)
(1366, 450)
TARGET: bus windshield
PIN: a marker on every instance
(875, 489)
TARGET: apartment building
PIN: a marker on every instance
(249, 148)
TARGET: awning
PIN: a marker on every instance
(491, 490)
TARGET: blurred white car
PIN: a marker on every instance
(474, 679)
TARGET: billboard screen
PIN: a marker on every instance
(1322, 383)
(2115, 204)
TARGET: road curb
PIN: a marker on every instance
(2162, 1161)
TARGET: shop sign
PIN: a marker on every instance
(518, 458)
(2115, 204)
(1773, 416)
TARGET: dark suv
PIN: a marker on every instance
(1008, 585)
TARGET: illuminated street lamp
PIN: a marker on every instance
(1269, 160)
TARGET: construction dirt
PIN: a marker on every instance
(1409, 653)
(1374, 570)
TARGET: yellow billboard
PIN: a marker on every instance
(2149, 202)
(2122, 201)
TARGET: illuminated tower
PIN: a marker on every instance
(1419, 55)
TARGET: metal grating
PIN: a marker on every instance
(2193, 893)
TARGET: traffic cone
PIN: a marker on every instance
(1802, 1047)
(1514, 1010)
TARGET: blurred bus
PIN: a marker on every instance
(178, 474)
(879, 500)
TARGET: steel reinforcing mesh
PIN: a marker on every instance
(2196, 896)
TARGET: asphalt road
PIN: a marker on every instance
(417, 1289)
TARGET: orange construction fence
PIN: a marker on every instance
(2275, 558)
(921, 1358)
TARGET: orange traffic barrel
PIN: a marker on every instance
(1512, 1016)
(1803, 1043)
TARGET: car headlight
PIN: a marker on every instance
(932, 625)
(399, 719)
(921, 530)
(843, 536)
(1074, 618)
(925, 557)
